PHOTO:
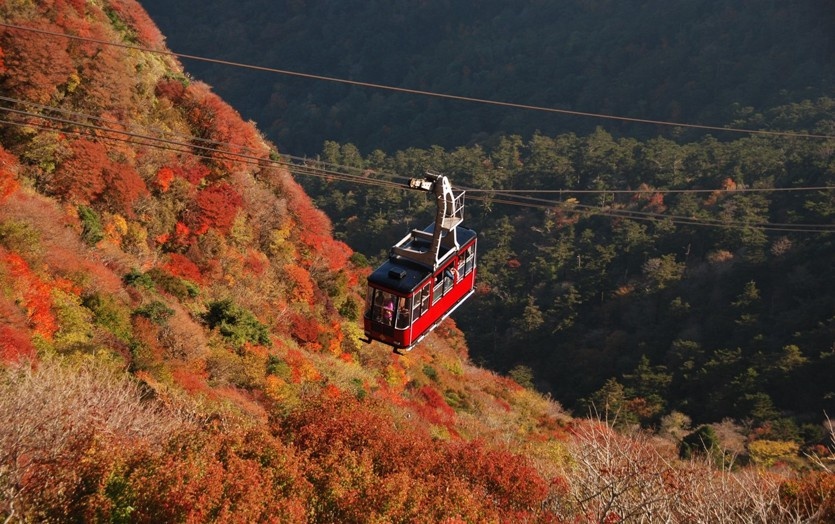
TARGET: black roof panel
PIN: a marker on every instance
(402, 276)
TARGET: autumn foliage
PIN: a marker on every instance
(179, 337)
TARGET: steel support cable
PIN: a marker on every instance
(654, 190)
(307, 170)
(635, 213)
(807, 228)
(186, 147)
(301, 169)
(420, 92)
(191, 138)
(648, 215)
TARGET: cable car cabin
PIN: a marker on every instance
(429, 273)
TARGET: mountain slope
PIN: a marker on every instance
(179, 337)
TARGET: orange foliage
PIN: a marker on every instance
(163, 178)
(190, 380)
(221, 475)
(364, 467)
(302, 285)
(814, 494)
(302, 370)
(35, 294)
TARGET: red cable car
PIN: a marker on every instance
(428, 274)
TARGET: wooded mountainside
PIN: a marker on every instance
(698, 61)
(722, 318)
(179, 337)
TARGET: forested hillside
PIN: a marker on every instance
(179, 338)
(697, 61)
(700, 292)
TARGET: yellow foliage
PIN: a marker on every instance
(75, 321)
(767, 452)
(136, 239)
(395, 376)
(115, 228)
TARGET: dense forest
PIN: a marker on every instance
(696, 282)
(179, 336)
(697, 61)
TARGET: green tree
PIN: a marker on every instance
(702, 442)
(236, 323)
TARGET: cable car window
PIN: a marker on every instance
(403, 313)
(424, 299)
(468, 259)
(438, 290)
(416, 311)
(449, 278)
(383, 307)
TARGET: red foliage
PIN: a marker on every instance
(182, 236)
(304, 328)
(256, 262)
(215, 207)
(133, 15)
(509, 479)
(196, 173)
(15, 343)
(80, 178)
(8, 172)
(438, 412)
(123, 188)
(215, 120)
(171, 89)
(181, 266)
(331, 392)
(35, 64)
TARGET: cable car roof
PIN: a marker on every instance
(403, 276)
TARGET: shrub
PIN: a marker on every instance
(91, 228)
(155, 311)
(237, 324)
